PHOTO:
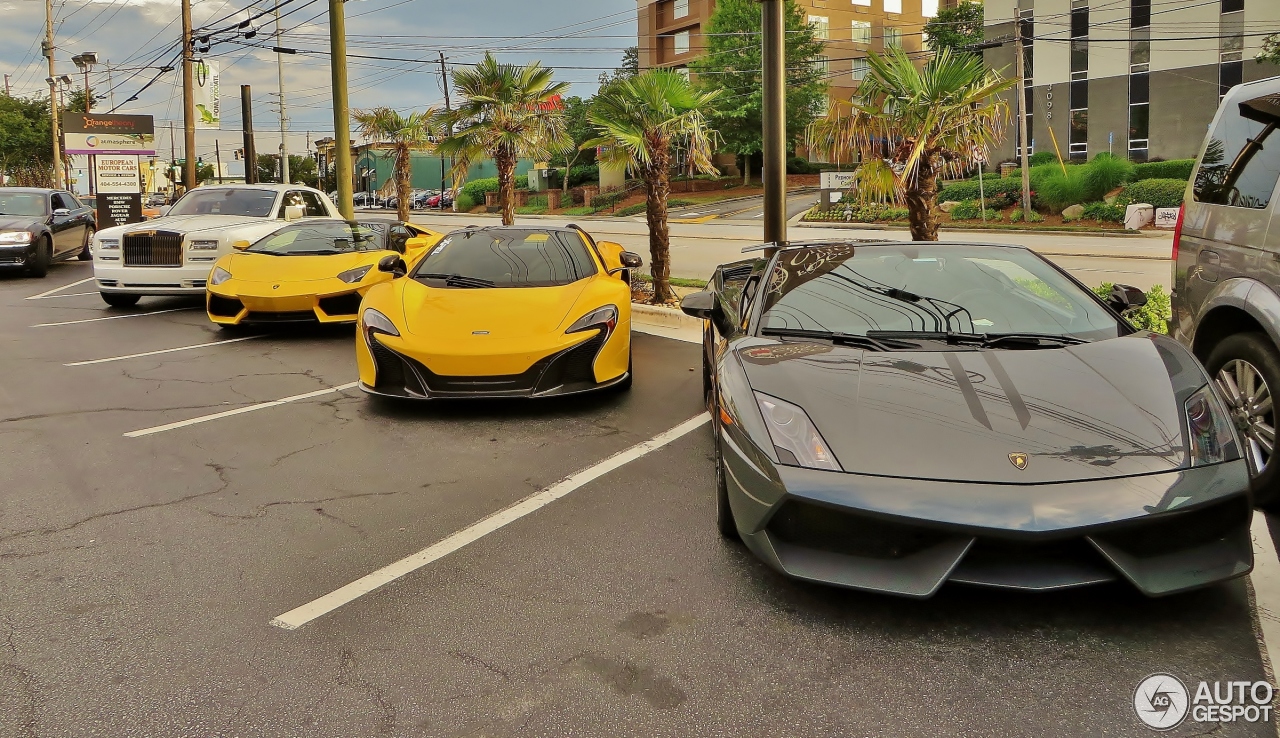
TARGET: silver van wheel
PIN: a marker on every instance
(1249, 399)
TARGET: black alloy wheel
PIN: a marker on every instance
(39, 264)
(85, 253)
(1246, 372)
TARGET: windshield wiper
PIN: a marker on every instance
(316, 252)
(457, 280)
(983, 340)
(844, 339)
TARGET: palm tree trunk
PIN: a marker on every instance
(506, 162)
(657, 184)
(404, 176)
(922, 197)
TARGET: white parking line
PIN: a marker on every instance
(161, 351)
(59, 289)
(112, 317)
(300, 616)
(238, 411)
(54, 297)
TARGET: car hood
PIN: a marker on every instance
(18, 222)
(1098, 410)
(193, 224)
(505, 313)
(251, 267)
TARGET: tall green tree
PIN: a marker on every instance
(578, 126)
(1270, 49)
(26, 141)
(955, 28)
(630, 67)
(639, 121)
(913, 125)
(405, 134)
(507, 113)
(733, 64)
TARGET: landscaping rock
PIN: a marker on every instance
(947, 206)
(1138, 215)
(1074, 212)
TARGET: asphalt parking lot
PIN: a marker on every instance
(144, 558)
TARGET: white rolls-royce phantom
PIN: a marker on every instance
(173, 254)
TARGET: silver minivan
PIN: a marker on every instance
(1226, 269)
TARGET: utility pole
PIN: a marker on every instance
(775, 124)
(217, 158)
(246, 121)
(284, 144)
(341, 112)
(53, 94)
(188, 99)
(7, 93)
(111, 88)
(1020, 71)
(448, 108)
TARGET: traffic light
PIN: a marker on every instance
(239, 154)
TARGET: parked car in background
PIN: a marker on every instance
(1226, 273)
(173, 255)
(40, 226)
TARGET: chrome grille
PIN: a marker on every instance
(152, 248)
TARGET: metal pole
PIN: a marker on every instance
(246, 121)
(341, 112)
(7, 93)
(284, 144)
(448, 108)
(217, 158)
(88, 96)
(1020, 71)
(188, 100)
(111, 87)
(775, 124)
(53, 94)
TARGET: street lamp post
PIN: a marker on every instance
(775, 123)
(85, 63)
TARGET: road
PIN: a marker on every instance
(698, 247)
(150, 537)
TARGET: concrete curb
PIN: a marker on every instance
(886, 227)
(661, 316)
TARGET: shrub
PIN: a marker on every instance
(1154, 316)
(1042, 157)
(1104, 174)
(476, 188)
(1104, 213)
(1016, 216)
(465, 203)
(860, 213)
(970, 210)
(677, 203)
(636, 209)
(801, 165)
(1172, 169)
(1056, 191)
(578, 176)
(1001, 192)
(1160, 193)
(608, 199)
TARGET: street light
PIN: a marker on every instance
(85, 63)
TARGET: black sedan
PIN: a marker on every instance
(39, 227)
(894, 416)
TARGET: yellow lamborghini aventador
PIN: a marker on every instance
(500, 312)
(311, 271)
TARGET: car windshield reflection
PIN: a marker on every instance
(320, 238)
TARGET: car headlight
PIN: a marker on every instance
(109, 244)
(372, 321)
(1209, 429)
(219, 276)
(15, 236)
(605, 318)
(203, 245)
(351, 276)
(794, 436)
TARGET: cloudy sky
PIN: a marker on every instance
(578, 37)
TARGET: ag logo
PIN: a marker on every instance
(1161, 701)
(1019, 460)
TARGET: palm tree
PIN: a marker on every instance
(405, 134)
(912, 125)
(639, 120)
(508, 113)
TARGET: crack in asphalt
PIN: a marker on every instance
(219, 469)
(474, 660)
(348, 676)
(20, 692)
(261, 510)
(337, 519)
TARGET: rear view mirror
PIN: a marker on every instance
(1125, 297)
(701, 305)
(393, 265)
(294, 212)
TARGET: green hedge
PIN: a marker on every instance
(466, 203)
(1172, 169)
(970, 210)
(1160, 193)
(1001, 192)
(860, 213)
(1104, 213)
(476, 188)
(1042, 157)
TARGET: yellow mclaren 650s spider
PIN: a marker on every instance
(311, 271)
(500, 312)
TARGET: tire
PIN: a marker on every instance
(724, 513)
(1234, 363)
(39, 266)
(85, 253)
(118, 300)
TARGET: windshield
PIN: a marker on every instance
(928, 289)
(21, 203)
(320, 238)
(249, 201)
(506, 257)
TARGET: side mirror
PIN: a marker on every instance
(1126, 297)
(701, 305)
(241, 245)
(294, 212)
(631, 260)
(61, 211)
(392, 264)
